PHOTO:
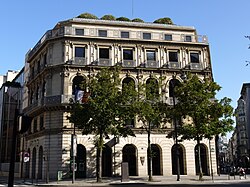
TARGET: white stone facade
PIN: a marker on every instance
(79, 48)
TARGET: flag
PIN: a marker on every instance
(79, 95)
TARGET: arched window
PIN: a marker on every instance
(152, 89)
(172, 84)
(129, 154)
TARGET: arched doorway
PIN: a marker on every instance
(181, 159)
(40, 163)
(81, 161)
(204, 159)
(129, 154)
(156, 160)
(106, 161)
(33, 163)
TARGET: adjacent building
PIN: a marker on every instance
(243, 127)
(76, 49)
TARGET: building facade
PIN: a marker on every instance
(76, 49)
(243, 127)
(10, 99)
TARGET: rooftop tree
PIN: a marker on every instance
(105, 112)
(87, 16)
(108, 17)
(209, 116)
(164, 20)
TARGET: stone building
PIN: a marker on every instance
(243, 127)
(76, 49)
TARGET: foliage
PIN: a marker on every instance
(150, 110)
(87, 16)
(104, 113)
(209, 116)
(108, 17)
(164, 20)
(122, 19)
(137, 20)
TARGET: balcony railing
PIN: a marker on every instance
(128, 63)
(196, 66)
(174, 65)
(79, 61)
(104, 62)
(152, 64)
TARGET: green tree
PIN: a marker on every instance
(137, 20)
(105, 112)
(108, 17)
(122, 19)
(164, 20)
(195, 99)
(149, 109)
(87, 16)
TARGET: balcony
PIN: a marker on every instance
(104, 62)
(58, 99)
(152, 64)
(195, 66)
(128, 63)
(174, 65)
(79, 61)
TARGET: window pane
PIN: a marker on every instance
(80, 32)
(124, 34)
(168, 37)
(146, 35)
(102, 33)
(127, 54)
(79, 51)
(104, 53)
(173, 56)
(188, 39)
(194, 57)
(151, 55)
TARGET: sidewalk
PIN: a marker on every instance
(133, 180)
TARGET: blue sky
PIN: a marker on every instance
(225, 22)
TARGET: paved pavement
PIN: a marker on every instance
(138, 181)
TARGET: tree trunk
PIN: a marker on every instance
(149, 155)
(199, 158)
(99, 159)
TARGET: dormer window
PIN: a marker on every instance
(147, 36)
(188, 38)
(168, 37)
(79, 32)
(124, 34)
(102, 33)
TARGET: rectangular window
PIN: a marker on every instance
(35, 126)
(80, 32)
(41, 123)
(80, 52)
(102, 33)
(173, 56)
(147, 36)
(45, 59)
(124, 34)
(151, 55)
(127, 54)
(168, 37)
(188, 38)
(194, 57)
(104, 53)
